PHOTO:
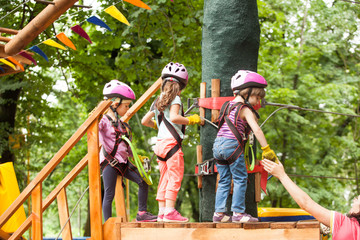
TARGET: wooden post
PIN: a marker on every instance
(199, 160)
(94, 181)
(202, 95)
(257, 185)
(120, 199)
(215, 92)
(63, 209)
(44, 19)
(37, 231)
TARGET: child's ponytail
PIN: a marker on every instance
(169, 91)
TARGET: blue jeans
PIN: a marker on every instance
(222, 149)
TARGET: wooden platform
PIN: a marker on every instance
(115, 229)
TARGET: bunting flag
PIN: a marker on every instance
(2, 69)
(28, 56)
(97, 21)
(138, 3)
(78, 29)
(16, 62)
(39, 51)
(52, 43)
(8, 63)
(115, 13)
(65, 40)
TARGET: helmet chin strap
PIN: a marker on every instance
(249, 105)
(115, 113)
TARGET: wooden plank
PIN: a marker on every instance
(176, 225)
(256, 225)
(142, 100)
(217, 233)
(120, 199)
(202, 95)
(36, 200)
(50, 2)
(94, 181)
(18, 58)
(199, 157)
(151, 225)
(4, 39)
(308, 224)
(282, 225)
(4, 235)
(8, 31)
(228, 225)
(131, 225)
(63, 209)
(37, 25)
(215, 92)
(112, 228)
(257, 185)
(49, 167)
(22, 229)
(202, 225)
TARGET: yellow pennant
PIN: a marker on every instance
(52, 43)
(115, 13)
(8, 63)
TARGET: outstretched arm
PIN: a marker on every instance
(322, 214)
(147, 120)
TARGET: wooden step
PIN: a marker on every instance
(115, 229)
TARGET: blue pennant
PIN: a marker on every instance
(2, 69)
(40, 52)
(97, 21)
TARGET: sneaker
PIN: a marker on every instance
(145, 217)
(243, 217)
(160, 218)
(223, 218)
(175, 216)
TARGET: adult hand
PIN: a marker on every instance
(276, 169)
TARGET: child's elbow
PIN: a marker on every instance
(144, 121)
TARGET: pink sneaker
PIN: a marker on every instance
(160, 218)
(175, 216)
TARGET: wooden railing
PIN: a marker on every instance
(34, 189)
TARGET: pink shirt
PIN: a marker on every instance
(343, 227)
(107, 139)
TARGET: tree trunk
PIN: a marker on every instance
(230, 42)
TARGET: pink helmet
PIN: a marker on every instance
(246, 79)
(117, 89)
(177, 71)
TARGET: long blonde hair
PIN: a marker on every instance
(169, 92)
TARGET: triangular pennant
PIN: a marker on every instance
(2, 69)
(8, 63)
(115, 13)
(52, 43)
(16, 62)
(28, 56)
(39, 51)
(78, 29)
(65, 40)
(97, 21)
(138, 3)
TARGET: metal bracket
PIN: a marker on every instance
(205, 168)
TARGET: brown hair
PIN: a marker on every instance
(169, 92)
(255, 92)
(354, 215)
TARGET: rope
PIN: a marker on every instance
(14, 10)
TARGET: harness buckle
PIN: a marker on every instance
(113, 162)
(146, 165)
(205, 168)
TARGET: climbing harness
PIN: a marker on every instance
(223, 117)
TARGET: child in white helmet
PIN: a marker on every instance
(237, 118)
(170, 123)
(115, 152)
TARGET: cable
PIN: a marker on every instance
(14, 10)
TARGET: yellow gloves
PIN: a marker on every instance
(269, 154)
(155, 125)
(142, 158)
(194, 119)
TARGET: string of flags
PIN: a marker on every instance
(112, 11)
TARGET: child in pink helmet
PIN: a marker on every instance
(115, 152)
(170, 122)
(237, 118)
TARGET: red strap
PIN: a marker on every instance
(214, 102)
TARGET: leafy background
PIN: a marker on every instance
(309, 53)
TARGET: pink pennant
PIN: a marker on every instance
(28, 56)
(79, 30)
